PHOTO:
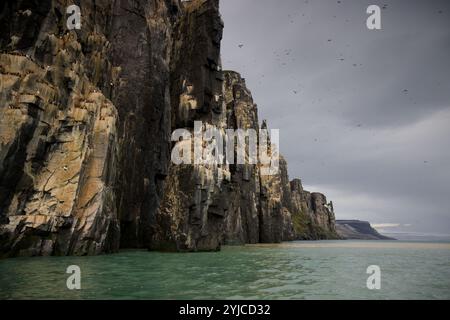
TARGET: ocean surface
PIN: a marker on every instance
(296, 270)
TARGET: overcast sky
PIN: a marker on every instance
(364, 115)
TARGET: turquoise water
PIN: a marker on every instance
(297, 270)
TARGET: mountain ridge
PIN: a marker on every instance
(358, 230)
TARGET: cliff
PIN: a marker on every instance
(86, 118)
(358, 230)
(85, 124)
(58, 133)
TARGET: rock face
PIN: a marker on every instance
(242, 223)
(86, 118)
(141, 37)
(268, 208)
(192, 211)
(85, 124)
(315, 217)
(312, 217)
(358, 230)
(58, 133)
(257, 212)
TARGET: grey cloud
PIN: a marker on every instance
(364, 115)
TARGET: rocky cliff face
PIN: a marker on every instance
(58, 132)
(256, 212)
(192, 211)
(85, 124)
(242, 221)
(141, 37)
(313, 216)
(86, 118)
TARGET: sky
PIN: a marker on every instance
(364, 115)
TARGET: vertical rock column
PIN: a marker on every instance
(141, 37)
(242, 220)
(195, 203)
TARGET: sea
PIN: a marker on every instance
(291, 270)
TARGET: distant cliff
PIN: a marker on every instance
(85, 135)
(358, 230)
(313, 217)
